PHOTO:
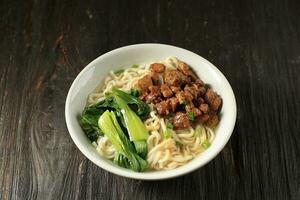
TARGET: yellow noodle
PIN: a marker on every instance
(105, 148)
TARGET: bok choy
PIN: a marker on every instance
(135, 127)
(118, 117)
(126, 155)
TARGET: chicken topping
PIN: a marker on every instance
(166, 91)
(186, 70)
(173, 102)
(216, 104)
(175, 89)
(204, 108)
(181, 120)
(162, 108)
(144, 83)
(180, 95)
(157, 67)
(174, 78)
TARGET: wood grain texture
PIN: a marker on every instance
(45, 44)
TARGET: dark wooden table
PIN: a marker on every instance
(45, 44)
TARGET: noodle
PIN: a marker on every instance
(124, 81)
(163, 153)
(167, 152)
(105, 148)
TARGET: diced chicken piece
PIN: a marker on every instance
(154, 95)
(199, 101)
(216, 104)
(184, 97)
(174, 78)
(151, 98)
(204, 117)
(186, 70)
(196, 112)
(181, 98)
(175, 89)
(162, 108)
(144, 83)
(166, 91)
(213, 100)
(210, 96)
(201, 91)
(155, 90)
(191, 108)
(181, 120)
(199, 82)
(173, 102)
(188, 96)
(155, 78)
(204, 108)
(192, 89)
(213, 120)
(157, 67)
(143, 96)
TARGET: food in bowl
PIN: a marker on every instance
(156, 116)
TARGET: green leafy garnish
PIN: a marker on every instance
(135, 66)
(198, 132)
(191, 116)
(169, 125)
(134, 92)
(118, 71)
(205, 144)
(184, 102)
(179, 143)
(167, 133)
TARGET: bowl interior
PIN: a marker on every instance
(124, 57)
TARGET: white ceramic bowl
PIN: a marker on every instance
(93, 73)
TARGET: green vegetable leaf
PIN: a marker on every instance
(92, 132)
(118, 71)
(169, 125)
(205, 144)
(198, 132)
(125, 155)
(179, 143)
(191, 116)
(184, 102)
(134, 92)
(135, 127)
(89, 118)
(89, 122)
(141, 147)
(111, 130)
(138, 106)
(128, 109)
(135, 66)
(167, 133)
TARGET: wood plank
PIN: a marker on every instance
(45, 44)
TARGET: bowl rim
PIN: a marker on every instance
(159, 174)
